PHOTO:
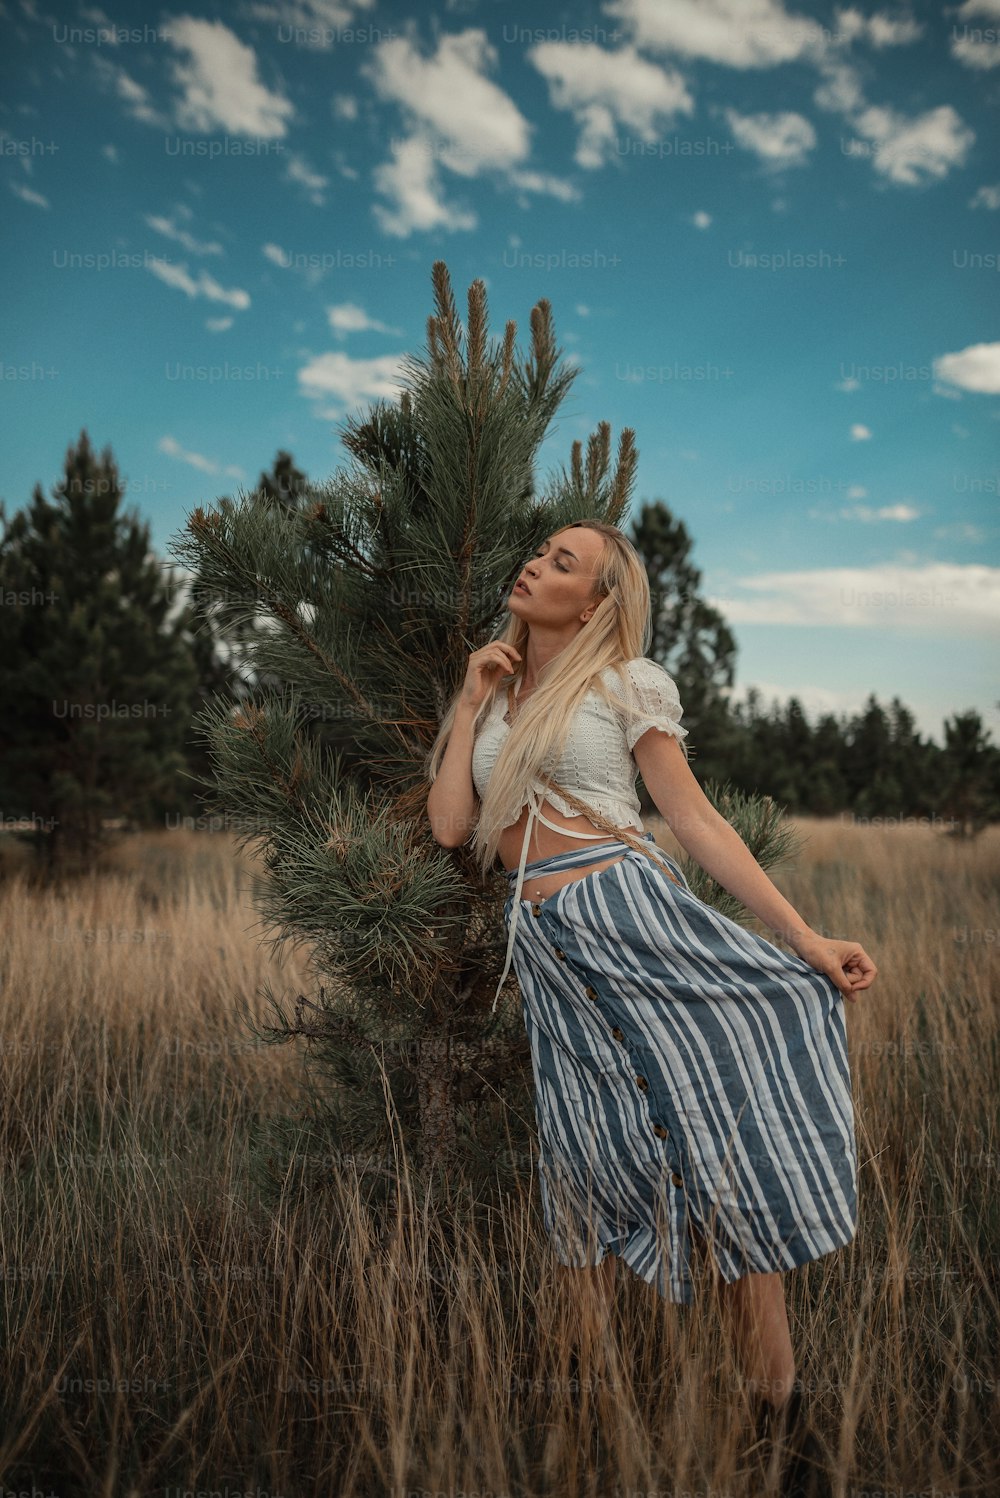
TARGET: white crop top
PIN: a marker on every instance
(597, 763)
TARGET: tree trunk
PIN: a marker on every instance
(436, 1095)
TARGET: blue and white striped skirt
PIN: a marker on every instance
(687, 1072)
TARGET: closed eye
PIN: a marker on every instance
(557, 564)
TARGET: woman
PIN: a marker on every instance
(691, 1078)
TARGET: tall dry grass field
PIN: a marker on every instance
(172, 1324)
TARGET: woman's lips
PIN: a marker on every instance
(520, 588)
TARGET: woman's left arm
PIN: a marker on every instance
(716, 845)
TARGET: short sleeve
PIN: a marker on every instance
(655, 699)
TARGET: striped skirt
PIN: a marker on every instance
(687, 1073)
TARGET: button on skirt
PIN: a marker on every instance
(687, 1073)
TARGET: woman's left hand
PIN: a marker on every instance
(846, 963)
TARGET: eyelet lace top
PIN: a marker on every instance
(597, 763)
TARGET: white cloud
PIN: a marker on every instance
(778, 139)
(942, 598)
(581, 310)
(605, 90)
(348, 317)
(135, 98)
(556, 187)
(298, 170)
(860, 433)
(205, 285)
(219, 324)
(736, 33)
(841, 91)
(848, 384)
(987, 196)
(974, 368)
(701, 219)
(219, 82)
(352, 381)
(345, 107)
(899, 512)
(412, 185)
(899, 148)
(879, 30)
(316, 22)
(217, 77)
(457, 119)
(857, 491)
(111, 152)
(448, 94)
(973, 51)
(975, 45)
(173, 449)
(962, 530)
(28, 195)
(307, 263)
(169, 229)
(345, 170)
(902, 148)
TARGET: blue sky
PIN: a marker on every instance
(769, 235)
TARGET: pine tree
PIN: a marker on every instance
(828, 788)
(690, 638)
(378, 589)
(223, 626)
(96, 677)
(912, 760)
(969, 775)
(285, 484)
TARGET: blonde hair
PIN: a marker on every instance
(619, 630)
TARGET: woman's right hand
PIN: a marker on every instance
(485, 667)
(845, 963)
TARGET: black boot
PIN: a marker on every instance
(804, 1472)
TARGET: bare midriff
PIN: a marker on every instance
(545, 843)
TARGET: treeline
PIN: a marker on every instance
(871, 766)
(107, 653)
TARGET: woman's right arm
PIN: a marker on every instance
(451, 804)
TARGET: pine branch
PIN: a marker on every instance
(448, 325)
(624, 477)
(576, 467)
(510, 333)
(477, 334)
(598, 450)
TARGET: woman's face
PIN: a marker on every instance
(560, 580)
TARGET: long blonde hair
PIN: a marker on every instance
(619, 630)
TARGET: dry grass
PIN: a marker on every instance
(168, 1325)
